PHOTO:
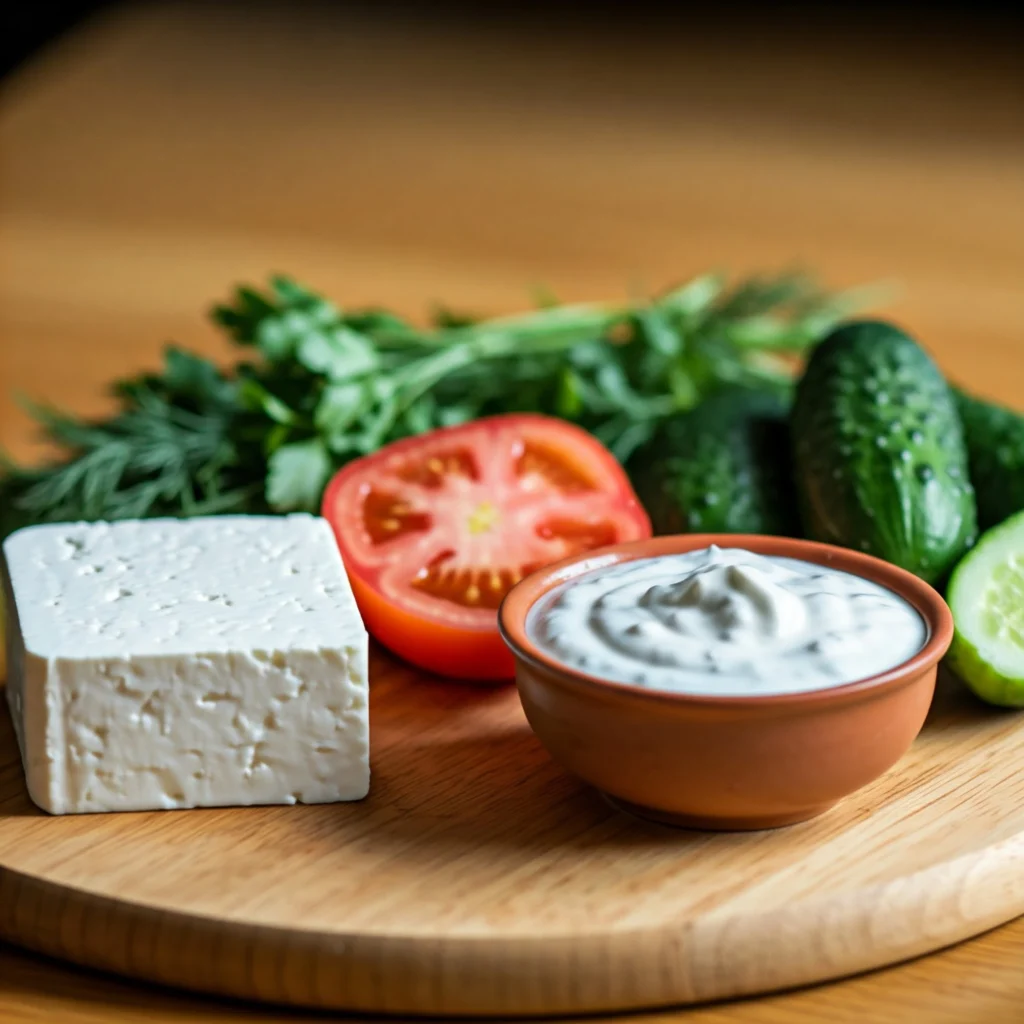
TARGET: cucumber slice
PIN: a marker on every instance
(986, 596)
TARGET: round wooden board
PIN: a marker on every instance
(479, 879)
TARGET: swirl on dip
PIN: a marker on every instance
(726, 622)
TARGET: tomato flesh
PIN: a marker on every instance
(434, 530)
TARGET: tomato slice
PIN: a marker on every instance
(435, 529)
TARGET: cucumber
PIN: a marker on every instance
(986, 596)
(723, 467)
(995, 451)
(879, 454)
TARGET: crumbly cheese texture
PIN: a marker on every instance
(165, 664)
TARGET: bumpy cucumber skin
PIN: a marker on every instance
(723, 467)
(879, 454)
(963, 657)
(995, 452)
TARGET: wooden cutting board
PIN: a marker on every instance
(478, 878)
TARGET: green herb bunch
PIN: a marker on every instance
(320, 386)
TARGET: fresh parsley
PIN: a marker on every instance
(319, 385)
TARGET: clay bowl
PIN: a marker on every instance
(725, 763)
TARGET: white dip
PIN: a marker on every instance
(726, 622)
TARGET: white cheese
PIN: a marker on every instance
(186, 663)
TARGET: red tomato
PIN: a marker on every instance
(435, 529)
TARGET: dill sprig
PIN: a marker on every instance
(319, 386)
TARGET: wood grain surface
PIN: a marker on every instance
(479, 878)
(164, 153)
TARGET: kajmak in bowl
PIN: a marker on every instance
(734, 761)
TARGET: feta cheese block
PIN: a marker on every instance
(185, 663)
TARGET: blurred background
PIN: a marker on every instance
(152, 155)
(32, 26)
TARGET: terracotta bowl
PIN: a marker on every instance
(727, 763)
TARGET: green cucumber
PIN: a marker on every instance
(986, 596)
(723, 467)
(879, 453)
(995, 450)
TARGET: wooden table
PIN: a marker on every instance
(161, 154)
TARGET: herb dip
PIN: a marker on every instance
(726, 622)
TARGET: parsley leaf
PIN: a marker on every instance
(321, 385)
